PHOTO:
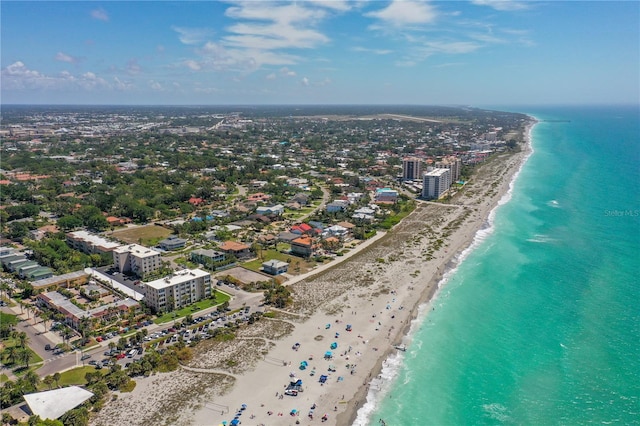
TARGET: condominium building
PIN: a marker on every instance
(89, 243)
(435, 183)
(453, 163)
(136, 259)
(411, 168)
(178, 290)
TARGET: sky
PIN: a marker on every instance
(480, 52)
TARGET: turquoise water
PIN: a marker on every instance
(540, 323)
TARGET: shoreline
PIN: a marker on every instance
(375, 291)
(450, 265)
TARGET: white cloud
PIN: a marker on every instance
(264, 34)
(100, 14)
(271, 76)
(63, 57)
(451, 47)
(400, 13)
(337, 5)
(133, 67)
(18, 77)
(154, 85)
(193, 65)
(305, 81)
(121, 85)
(287, 72)
(192, 35)
(502, 5)
(375, 51)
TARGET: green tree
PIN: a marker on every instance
(48, 380)
(24, 356)
(56, 378)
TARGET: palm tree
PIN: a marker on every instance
(25, 356)
(46, 316)
(56, 378)
(48, 380)
(32, 378)
(112, 345)
(24, 339)
(12, 352)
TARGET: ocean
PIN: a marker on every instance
(539, 323)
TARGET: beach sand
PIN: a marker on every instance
(377, 291)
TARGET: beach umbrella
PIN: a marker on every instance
(235, 422)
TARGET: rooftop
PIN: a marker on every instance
(177, 277)
(54, 403)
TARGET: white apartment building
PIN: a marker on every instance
(178, 290)
(435, 183)
(137, 259)
(89, 243)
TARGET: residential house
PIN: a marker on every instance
(173, 243)
(207, 257)
(302, 246)
(300, 198)
(239, 250)
(302, 229)
(337, 206)
(275, 267)
(275, 210)
(386, 195)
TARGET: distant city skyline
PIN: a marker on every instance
(482, 52)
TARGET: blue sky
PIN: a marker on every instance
(481, 52)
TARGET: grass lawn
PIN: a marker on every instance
(34, 358)
(8, 319)
(270, 254)
(149, 235)
(297, 265)
(73, 377)
(192, 309)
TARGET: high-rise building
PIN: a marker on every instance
(411, 168)
(178, 290)
(137, 259)
(435, 183)
(453, 163)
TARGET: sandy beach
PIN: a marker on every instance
(363, 307)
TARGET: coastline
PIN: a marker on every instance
(354, 416)
(379, 292)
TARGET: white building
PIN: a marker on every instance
(90, 243)
(435, 183)
(137, 259)
(178, 290)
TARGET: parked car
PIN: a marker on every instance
(85, 356)
(47, 347)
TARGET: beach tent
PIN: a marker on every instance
(334, 345)
(328, 355)
(323, 378)
(348, 327)
(235, 422)
(328, 326)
